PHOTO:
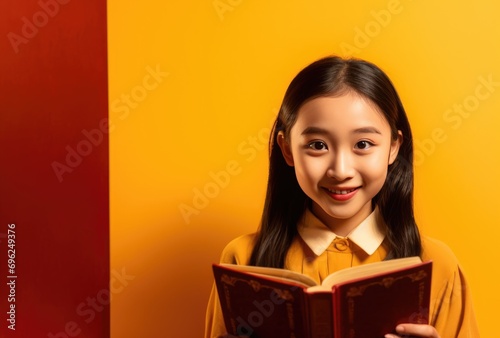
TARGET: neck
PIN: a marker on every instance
(342, 226)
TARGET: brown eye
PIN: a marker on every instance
(363, 145)
(318, 145)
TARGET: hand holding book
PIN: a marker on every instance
(365, 301)
(414, 330)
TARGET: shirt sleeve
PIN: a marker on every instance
(236, 252)
(214, 322)
(453, 311)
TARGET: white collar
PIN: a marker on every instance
(368, 235)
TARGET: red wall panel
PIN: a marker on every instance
(54, 169)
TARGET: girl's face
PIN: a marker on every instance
(341, 148)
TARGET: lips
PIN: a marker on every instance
(342, 194)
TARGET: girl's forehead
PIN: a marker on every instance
(347, 110)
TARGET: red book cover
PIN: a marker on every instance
(372, 307)
(256, 306)
(366, 301)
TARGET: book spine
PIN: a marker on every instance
(319, 314)
(336, 312)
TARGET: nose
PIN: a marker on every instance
(341, 166)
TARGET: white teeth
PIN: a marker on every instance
(341, 192)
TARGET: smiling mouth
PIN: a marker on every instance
(342, 195)
(341, 192)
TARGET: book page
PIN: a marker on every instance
(275, 273)
(364, 271)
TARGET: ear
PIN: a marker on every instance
(393, 154)
(285, 148)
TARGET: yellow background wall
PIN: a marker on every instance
(193, 88)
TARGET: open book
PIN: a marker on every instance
(365, 301)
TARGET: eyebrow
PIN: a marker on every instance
(314, 130)
(367, 130)
(321, 131)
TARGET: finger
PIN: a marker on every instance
(390, 335)
(419, 330)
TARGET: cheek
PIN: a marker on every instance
(375, 171)
(309, 170)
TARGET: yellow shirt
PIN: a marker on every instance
(318, 252)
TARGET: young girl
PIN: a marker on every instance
(340, 193)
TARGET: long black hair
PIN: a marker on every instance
(285, 201)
